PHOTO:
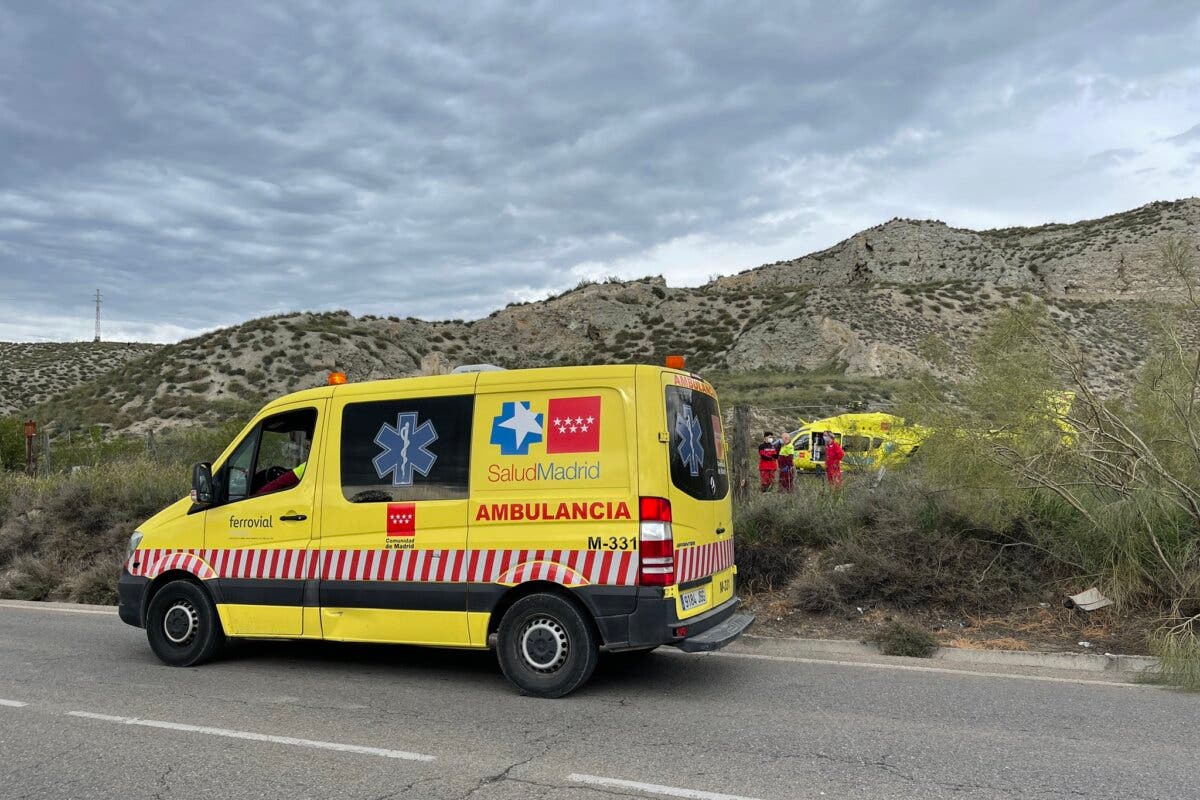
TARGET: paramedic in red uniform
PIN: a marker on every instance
(833, 460)
(768, 460)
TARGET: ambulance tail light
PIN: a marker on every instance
(656, 542)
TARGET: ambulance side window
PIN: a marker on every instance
(277, 445)
(233, 479)
(802, 442)
(414, 449)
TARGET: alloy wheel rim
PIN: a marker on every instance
(544, 645)
(180, 623)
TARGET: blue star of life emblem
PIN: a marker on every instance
(405, 449)
(691, 451)
(516, 428)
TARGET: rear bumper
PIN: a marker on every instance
(656, 623)
(718, 635)
(131, 598)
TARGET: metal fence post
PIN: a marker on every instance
(30, 433)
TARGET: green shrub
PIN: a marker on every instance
(899, 542)
(12, 443)
(58, 529)
(1111, 497)
(35, 577)
(904, 639)
(815, 594)
(1178, 652)
(63, 536)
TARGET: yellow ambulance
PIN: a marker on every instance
(549, 514)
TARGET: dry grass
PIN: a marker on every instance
(1000, 643)
(895, 545)
(63, 537)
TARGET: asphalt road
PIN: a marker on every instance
(102, 718)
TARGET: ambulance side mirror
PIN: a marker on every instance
(202, 493)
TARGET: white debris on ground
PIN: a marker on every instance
(1090, 600)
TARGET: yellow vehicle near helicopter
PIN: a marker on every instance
(871, 440)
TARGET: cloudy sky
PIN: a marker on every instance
(204, 163)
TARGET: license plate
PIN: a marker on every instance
(693, 598)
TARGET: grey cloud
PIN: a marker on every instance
(203, 163)
(1114, 156)
(1192, 134)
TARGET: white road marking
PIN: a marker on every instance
(939, 670)
(24, 607)
(13, 703)
(653, 788)
(256, 737)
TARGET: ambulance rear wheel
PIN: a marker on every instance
(546, 646)
(182, 625)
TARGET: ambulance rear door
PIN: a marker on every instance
(701, 512)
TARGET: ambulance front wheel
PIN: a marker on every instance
(546, 646)
(182, 625)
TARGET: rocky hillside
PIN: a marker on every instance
(32, 373)
(868, 310)
(1111, 258)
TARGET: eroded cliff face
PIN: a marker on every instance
(1112, 258)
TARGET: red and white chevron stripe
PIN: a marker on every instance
(180, 560)
(543, 571)
(702, 560)
(568, 567)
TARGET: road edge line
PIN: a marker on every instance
(652, 788)
(937, 670)
(1076, 662)
(255, 737)
(37, 606)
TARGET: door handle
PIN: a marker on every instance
(720, 531)
(293, 517)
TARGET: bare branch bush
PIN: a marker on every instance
(1108, 483)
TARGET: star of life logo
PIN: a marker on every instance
(405, 449)
(690, 449)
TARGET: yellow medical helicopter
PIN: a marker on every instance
(875, 439)
(871, 440)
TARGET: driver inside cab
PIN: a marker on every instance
(285, 481)
(282, 453)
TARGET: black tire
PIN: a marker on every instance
(546, 646)
(182, 625)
